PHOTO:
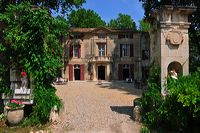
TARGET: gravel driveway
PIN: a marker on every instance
(93, 108)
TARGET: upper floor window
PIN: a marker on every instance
(126, 50)
(75, 51)
(101, 49)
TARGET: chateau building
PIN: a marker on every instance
(106, 54)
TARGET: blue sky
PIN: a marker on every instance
(109, 9)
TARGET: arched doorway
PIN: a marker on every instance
(175, 66)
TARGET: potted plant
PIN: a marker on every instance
(15, 112)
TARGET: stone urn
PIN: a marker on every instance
(137, 110)
(15, 116)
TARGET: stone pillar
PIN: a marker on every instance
(94, 72)
(108, 71)
(170, 44)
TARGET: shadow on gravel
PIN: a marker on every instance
(129, 88)
(127, 110)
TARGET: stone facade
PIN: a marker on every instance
(106, 54)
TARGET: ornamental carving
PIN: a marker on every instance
(175, 37)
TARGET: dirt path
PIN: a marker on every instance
(92, 108)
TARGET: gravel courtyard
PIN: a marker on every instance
(93, 108)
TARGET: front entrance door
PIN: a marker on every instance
(101, 72)
(125, 73)
(77, 72)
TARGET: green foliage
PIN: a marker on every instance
(83, 18)
(61, 6)
(154, 74)
(2, 116)
(32, 41)
(144, 26)
(151, 101)
(122, 22)
(180, 110)
(144, 130)
(14, 105)
(45, 99)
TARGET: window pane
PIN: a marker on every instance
(75, 51)
(101, 49)
(125, 50)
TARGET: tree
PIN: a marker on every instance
(144, 26)
(85, 19)
(28, 43)
(122, 22)
(194, 31)
(61, 6)
(31, 40)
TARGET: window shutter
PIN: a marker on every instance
(79, 52)
(71, 51)
(131, 50)
(120, 71)
(70, 72)
(120, 50)
(82, 71)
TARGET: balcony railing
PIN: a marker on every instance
(100, 40)
(101, 59)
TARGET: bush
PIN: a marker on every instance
(180, 110)
(144, 130)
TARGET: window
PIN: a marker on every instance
(125, 50)
(101, 49)
(76, 51)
